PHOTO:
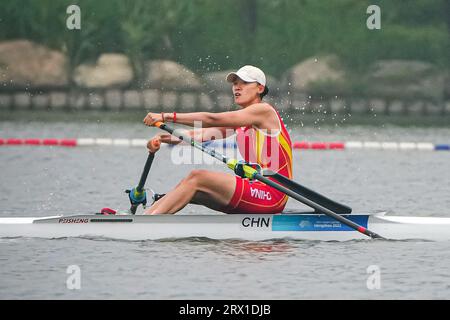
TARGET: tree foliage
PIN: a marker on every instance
(209, 35)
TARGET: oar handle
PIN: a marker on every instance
(163, 126)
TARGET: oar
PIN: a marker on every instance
(308, 193)
(252, 173)
(138, 195)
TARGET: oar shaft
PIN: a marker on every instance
(308, 193)
(144, 175)
(188, 139)
(137, 195)
(316, 206)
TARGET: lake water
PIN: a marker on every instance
(40, 181)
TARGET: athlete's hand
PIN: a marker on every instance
(154, 144)
(151, 118)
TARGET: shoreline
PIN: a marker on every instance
(299, 118)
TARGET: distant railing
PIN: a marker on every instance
(155, 99)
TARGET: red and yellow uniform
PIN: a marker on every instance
(271, 151)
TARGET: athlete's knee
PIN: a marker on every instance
(196, 177)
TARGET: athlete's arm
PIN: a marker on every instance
(257, 115)
(213, 133)
(200, 135)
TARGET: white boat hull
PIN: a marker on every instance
(242, 226)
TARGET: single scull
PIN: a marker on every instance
(302, 226)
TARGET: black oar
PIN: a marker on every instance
(144, 175)
(252, 173)
(316, 206)
(138, 195)
(308, 193)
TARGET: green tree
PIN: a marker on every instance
(148, 28)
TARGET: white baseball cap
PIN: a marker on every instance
(248, 74)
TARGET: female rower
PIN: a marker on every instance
(261, 137)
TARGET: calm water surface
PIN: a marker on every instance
(38, 181)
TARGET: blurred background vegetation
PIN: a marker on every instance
(209, 35)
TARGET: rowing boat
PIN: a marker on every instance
(253, 227)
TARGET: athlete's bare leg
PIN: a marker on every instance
(211, 189)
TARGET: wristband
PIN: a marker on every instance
(174, 117)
